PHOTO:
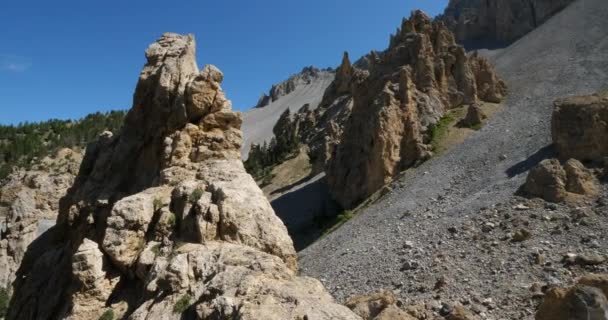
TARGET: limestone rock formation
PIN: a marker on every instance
(474, 117)
(580, 134)
(553, 182)
(321, 129)
(580, 127)
(29, 200)
(477, 23)
(585, 301)
(408, 89)
(163, 222)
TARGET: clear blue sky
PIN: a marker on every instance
(65, 59)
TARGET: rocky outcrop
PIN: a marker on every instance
(556, 183)
(321, 129)
(394, 104)
(478, 23)
(587, 300)
(474, 117)
(163, 221)
(377, 306)
(29, 200)
(580, 134)
(580, 127)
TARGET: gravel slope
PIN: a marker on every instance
(258, 122)
(567, 55)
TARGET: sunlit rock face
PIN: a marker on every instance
(163, 221)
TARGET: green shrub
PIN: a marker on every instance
(4, 300)
(337, 221)
(439, 130)
(476, 127)
(182, 304)
(285, 144)
(107, 315)
(23, 145)
(158, 204)
(195, 195)
(156, 249)
(172, 220)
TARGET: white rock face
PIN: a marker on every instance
(89, 276)
(238, 282)
(127, 226)
(175, 214)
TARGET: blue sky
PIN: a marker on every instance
(65, 59)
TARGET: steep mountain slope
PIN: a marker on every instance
(564, 56)
(478, 23)
(304, 88)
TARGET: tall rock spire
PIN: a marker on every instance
(163, 219)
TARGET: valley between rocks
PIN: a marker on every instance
(471, 185)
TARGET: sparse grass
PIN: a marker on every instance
(156, 249)
(339, 220)
(476, 127)
(195, 195)
(158, 204)
(440, 130)
(267, 179)
(107, 315)
(4, 300)
(172, 220)
(182, 304)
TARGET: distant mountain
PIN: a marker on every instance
(306, 77)
(306, 87)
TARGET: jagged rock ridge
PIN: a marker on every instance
(481, 23)
(305, 77)
(163, 221)
(395, 103)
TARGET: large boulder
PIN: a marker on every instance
(474, 117)
(585, 301)
(231, 281)
(580, 127)
(163, 222)
(553, 182)
(379, 305)
(127, 225)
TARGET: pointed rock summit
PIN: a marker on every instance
(395, 104)
(163, 222)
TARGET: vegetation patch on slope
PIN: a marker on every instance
(21, 145)
(447, 133)
(287, 174)
(284, 145)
